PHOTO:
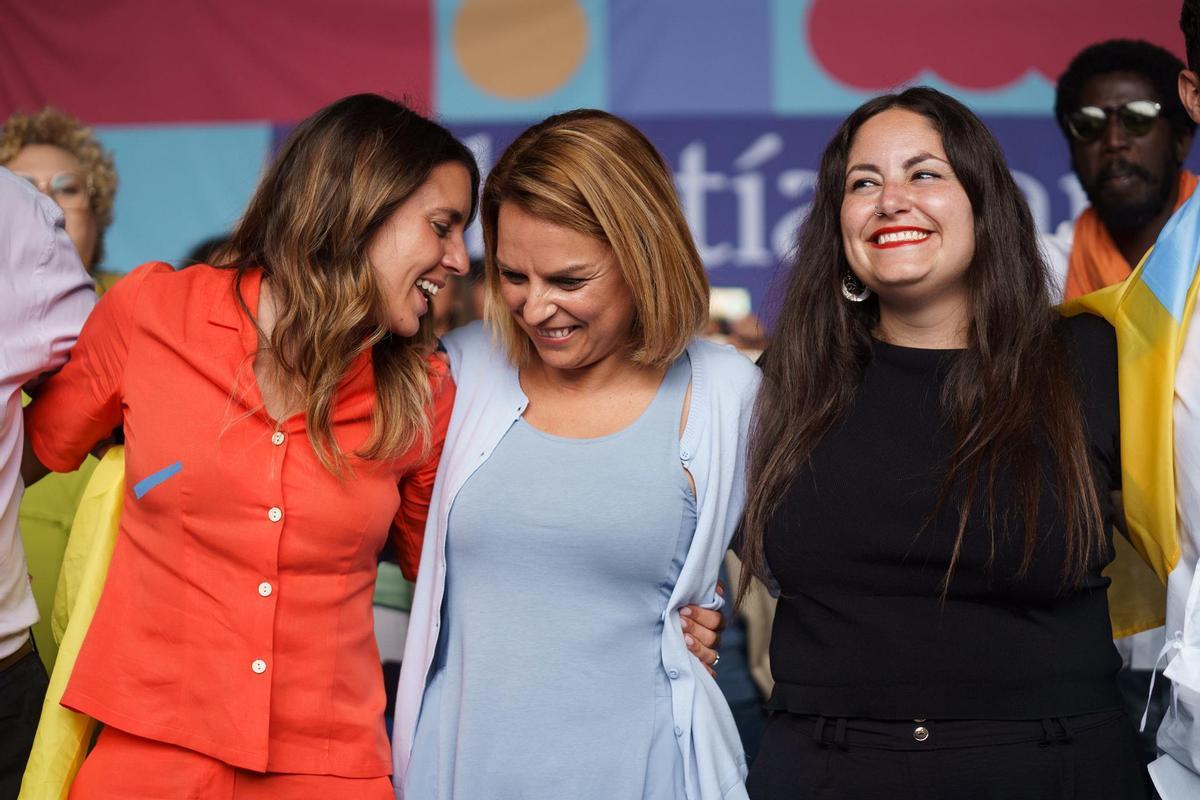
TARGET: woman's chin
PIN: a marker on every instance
(405, 327)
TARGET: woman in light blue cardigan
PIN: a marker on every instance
(591, 480)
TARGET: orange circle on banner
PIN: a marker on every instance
(520, 49)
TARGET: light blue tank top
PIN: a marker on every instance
(561, 555)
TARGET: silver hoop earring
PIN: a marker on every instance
(853, 289)
(879, 211)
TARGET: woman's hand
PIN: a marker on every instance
(702, 632)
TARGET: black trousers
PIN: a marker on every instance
(22, 690)
(1088, 757)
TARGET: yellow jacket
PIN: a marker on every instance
(63, 736)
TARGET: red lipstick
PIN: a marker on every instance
(874, 238)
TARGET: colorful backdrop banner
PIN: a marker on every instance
(740, 96)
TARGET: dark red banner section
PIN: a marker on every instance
(975, 44)
(137, 61)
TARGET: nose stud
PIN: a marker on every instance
(878, 211)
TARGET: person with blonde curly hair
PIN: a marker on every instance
(61, 157)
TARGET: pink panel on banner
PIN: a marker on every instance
(136, 61)
(975, 44)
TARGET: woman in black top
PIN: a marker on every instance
(930, 482)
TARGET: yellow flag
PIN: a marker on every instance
(63, 736)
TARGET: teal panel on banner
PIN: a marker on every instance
(178, 186)
(484, 69)
(805, 86)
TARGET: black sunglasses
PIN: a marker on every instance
(1136, 117)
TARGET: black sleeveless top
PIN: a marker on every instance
(862, 629)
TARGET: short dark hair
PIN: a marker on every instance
(1189, 23)
(1158, 66)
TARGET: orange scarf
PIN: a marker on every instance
(1095, 260)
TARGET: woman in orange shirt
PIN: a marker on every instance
(281, 415)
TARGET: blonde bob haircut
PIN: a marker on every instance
(594, 173)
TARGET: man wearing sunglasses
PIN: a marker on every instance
(1129, 134)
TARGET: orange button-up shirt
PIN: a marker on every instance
(236, 618)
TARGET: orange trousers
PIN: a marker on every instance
(123, 766)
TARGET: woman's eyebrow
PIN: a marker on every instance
(909, 164)
(456, 215)
(917, 159)
(864, 168)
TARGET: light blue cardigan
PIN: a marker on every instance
(712, 448)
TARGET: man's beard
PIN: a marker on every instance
(1134, 210)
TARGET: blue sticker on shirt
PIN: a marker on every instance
(150, 481)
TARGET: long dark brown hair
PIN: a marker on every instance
(1009, 396)
(338, 177)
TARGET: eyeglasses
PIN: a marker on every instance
(69, 189)
(1136, 117)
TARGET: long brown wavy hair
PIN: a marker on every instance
(338, 177)
(1009, 396)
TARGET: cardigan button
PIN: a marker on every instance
(920, 733)
(275, 513)
(277, 438)
(264, 589)
(259, 666)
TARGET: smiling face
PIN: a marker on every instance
(907, 226)
(420, 244)
(60, 175)
(1129, 179)
(564, 290)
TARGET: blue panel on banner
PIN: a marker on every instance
(469, 87)
(705, 57)
(178, 186)
(803, 86)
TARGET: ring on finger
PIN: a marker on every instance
(715, 660)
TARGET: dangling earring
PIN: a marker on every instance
(853, 289)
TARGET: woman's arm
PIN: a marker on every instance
(82, 404)
(408, 528)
